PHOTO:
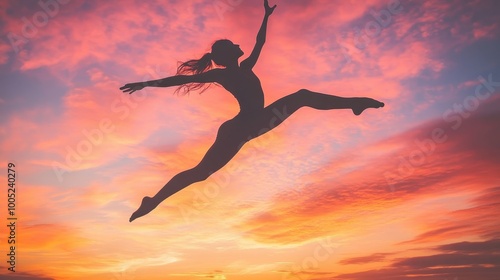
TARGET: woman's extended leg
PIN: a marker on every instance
(277, 112)
(226, 145)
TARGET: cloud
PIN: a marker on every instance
(36, 238)
(468, 260)
(358, 180)
(23, 276)
(467, 273)
(107, 31)
(366, 259)
(448, 260)
(478, 219)
(489, 246)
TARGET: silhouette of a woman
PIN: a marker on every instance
(253, 119)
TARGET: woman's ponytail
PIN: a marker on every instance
(191, 67)
(196, 66)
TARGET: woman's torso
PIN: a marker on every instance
(245, 86)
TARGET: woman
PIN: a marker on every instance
(253, 119)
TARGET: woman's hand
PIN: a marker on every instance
(130, 88)
(269, 10)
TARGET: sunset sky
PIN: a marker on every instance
(408, 191)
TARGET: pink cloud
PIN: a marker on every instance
(347, 185)
(319, 174)
(489, 31)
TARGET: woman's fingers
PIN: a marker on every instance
(129, 85)
(269, 10)
(127, 88)
(130, 88)
(266, 4)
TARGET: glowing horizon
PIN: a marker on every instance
(408, 189)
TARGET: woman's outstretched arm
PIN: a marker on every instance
(249, 63)
(211, 76)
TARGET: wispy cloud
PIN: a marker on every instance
(403, 188)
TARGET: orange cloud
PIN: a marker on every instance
(383, 181)
(375, 180)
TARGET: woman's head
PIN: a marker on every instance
(224, 53)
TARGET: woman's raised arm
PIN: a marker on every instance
(249, 63)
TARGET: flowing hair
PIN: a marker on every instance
(191, 67)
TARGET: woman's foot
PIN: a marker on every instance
(147, 205)
(363, 103)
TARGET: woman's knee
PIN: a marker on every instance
(299, 99)
(196, 174)
(302, 92)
